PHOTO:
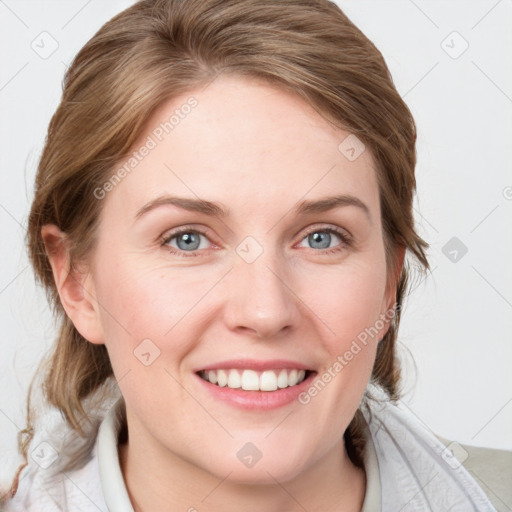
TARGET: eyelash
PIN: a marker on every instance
(346, 240)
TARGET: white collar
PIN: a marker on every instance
(372, 496)
(112, 481)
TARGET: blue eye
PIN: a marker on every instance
(321, 238)
(187, 241)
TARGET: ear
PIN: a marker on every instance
(74, 285)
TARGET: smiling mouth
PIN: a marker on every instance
(251, 380)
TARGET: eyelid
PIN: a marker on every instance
(170, 234)
(327, 227)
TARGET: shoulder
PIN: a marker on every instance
(62, 470)
(490, 467)
(418, 471)
(41, 491)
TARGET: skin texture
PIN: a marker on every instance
(259, 151)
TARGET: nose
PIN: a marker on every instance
(260, 298)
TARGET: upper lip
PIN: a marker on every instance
(253, 364)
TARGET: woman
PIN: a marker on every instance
(222, 211)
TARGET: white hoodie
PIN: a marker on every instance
(407, 467)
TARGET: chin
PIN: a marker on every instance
(247, 464)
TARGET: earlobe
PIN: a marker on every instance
(74, 285)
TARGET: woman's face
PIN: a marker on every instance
(271, 280)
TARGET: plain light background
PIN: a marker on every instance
(451, 61)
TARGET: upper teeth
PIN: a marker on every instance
(251, 380)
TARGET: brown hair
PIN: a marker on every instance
(159, 49)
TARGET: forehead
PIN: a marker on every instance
(246, 144)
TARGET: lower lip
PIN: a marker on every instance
(263, 400)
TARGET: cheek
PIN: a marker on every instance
(346, 300)
(140, 303)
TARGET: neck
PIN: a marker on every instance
(157, 480)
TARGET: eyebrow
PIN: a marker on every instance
(330, 203)
(214, 209)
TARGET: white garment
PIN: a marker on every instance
(407, 469)
(417, 472)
